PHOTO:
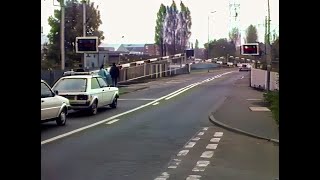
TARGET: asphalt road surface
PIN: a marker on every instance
(140, 138)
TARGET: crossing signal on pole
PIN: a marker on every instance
(251, 49)
(86, 44)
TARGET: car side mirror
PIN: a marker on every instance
(56, 92)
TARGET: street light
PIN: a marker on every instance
(209, 31)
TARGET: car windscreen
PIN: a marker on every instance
(71, 85)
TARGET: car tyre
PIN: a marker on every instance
(114, 103)
(94, 108)
(62, 119)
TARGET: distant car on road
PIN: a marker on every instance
(219, 62)
(244, 67)
(53, 106)
(87, 91)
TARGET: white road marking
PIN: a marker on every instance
(118, 115)
(155, 103)
(174, 164)
(207, 154)
(242, 77)
(218, 134)
(138, 99)
(195, 139)
(201, 166)
(212, 146)
(174, 95)
(190, 145)
(183, 153)
(259, 109)
(216, 140)
(163, 176)
(254, 99)
(200, 133)
(193, 177)
(205, 128)
(113, 121)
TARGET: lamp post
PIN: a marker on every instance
(209, 33)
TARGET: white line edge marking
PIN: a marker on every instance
(216, 140)
(212, 146)
(116, 116)
(207, 154)
(156, 103)
(138, 99)
(113, 121)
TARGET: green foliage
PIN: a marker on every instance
(234, 35)
(158, 38)
(220, 47)
(272, 98)
(251, 34)
(73, 29)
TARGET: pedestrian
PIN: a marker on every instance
(114, 72)
(105, 75)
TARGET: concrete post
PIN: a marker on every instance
(160, 70)
(144, 69)
(156, 70)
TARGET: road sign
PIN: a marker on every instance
(86, 44)
(251, 49)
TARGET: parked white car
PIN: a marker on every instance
(53, 106)
(87, 91)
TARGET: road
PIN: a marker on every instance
(145, 134)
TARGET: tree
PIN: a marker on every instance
(158, 38)
(251, 34)
(220, 48)
(275, 50)
(177, 28)
(234, 35)
(184, 27)
(73, 29)
(197, 44)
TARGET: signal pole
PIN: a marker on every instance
(62, 35)
(84, 31)
(268, 50)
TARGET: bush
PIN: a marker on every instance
(272, 98)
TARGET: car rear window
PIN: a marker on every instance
(71, 85)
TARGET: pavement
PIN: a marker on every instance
(151, 130)
(236, 113)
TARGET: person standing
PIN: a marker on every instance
(114, 72)
(104, 74)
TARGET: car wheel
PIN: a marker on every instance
(94, 108)
(62, 119)
(114, 103)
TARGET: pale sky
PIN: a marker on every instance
(136, 19)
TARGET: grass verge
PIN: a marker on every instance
(272, 98)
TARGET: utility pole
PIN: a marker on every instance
(84, 31)
(62, 35)
(268, 50)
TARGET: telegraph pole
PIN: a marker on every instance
(62, 50)
(84, 31)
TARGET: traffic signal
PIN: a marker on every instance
(86, 44)
(250, 49)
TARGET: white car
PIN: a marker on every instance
(53, 106)
(87, 91)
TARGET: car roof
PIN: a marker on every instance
(80, 76)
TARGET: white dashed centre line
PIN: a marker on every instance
(216, 140)
(200, 133)
(183, 153)
(195, 139)
(201, 166)
(218, 134)
(190, 145)
(193, 177)
(205, 128)
(212, 146)
(113, 121)
(156, 103)
(207, 154)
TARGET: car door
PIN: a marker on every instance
(106, 93)
(50, 105)
(98, 91)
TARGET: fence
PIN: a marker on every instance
(139, 70)
(259, 79)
